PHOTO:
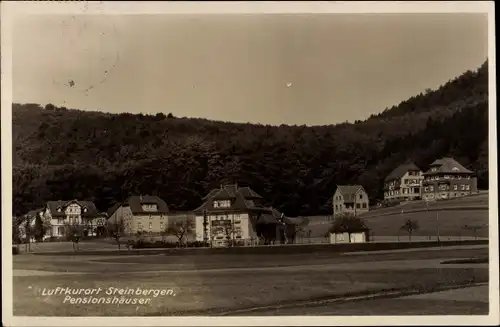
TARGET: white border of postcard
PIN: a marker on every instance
(10, 9)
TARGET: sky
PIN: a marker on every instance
(308, 69)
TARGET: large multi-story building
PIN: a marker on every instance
(446, 178)
(58, 215)
(140, 214)
(350, 199)
(404, 183)
(229, 213)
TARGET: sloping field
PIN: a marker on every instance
(450, 216)
(449, 223)
(479, 201)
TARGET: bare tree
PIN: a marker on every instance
(74, 232)
(180, 228)
(410, 226)
(116, 229)
(301, 229)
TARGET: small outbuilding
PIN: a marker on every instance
(349, 230)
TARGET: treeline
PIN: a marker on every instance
(64, 154)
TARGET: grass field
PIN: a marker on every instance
(449, 215)
(215, 284)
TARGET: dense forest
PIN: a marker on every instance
(61, 154)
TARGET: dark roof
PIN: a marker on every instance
(448, 166)
(241, 199)
(135, 203)
(349, 191)
(348, 224)
(55, 205)
(30, 216)
(273, 216)
(401, 171)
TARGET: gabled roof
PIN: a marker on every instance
(401, 170)
(135, 202)
(349, 225)
(55, 205)
(447, 165)
(30, 216)
(349, 191)
(241, 199)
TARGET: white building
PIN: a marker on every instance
(404, 183)
(350, 199)
(59, 214)
(229, 213)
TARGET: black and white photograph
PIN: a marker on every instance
(249, 163)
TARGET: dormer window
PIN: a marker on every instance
(149, 207)
(58, 209)
(455, 169)
(84, 209)
(222, 204)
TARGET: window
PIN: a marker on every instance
(361, 196)
(222, 204)
(150, 207)
(364, 205)
(139, 226)
(467, 187)
(431, 188)
(161, 224)
(459, 177)
(462, 187)
(358, 205)
(340, 237)
(237, 222)
(455, 187)
(336, 207)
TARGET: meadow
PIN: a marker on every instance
(220, 284)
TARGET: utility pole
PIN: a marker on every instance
(205, 232)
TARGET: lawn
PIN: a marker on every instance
(451, 224)
(200, 291)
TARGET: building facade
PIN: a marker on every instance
(349, 230)
(139, 214)
(404, 183)
(60, 214)
(229, 214)
(350, 199)
(446, 178)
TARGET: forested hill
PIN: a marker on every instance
(65, 154)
